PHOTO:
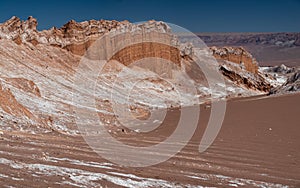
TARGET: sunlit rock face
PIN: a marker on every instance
(237, 55)
(38, 68)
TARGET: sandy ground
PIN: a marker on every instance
(258, 146)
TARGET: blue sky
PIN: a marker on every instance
(196, 16)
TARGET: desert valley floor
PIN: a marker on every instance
(258, 146)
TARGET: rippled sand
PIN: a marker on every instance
(258, 146)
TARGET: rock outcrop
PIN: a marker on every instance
(73, 36)
(281, 69)
(239, 66)
(39, 72)
(24, 85)
(237, 55)
(269, 49)
(11, 106)
(244, 78)
(291, 85)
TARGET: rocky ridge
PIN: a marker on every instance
(278, 39)
(38, 68)
(237, 55)
(292, 83)
(239, 66)
(77, 37)
(73, 36)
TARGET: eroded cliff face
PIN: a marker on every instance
(242, 77)
(73, 36)
(239, 66)
(38, 68)
(38, 71)
(236, 55)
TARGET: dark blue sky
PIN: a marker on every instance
(196, 16)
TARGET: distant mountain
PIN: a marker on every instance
(268, 48)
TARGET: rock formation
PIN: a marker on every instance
(10, 105)
(281, 69)
(237, 55)
(38, 72)
(73, 36)
(269, 49)
(291, 85)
